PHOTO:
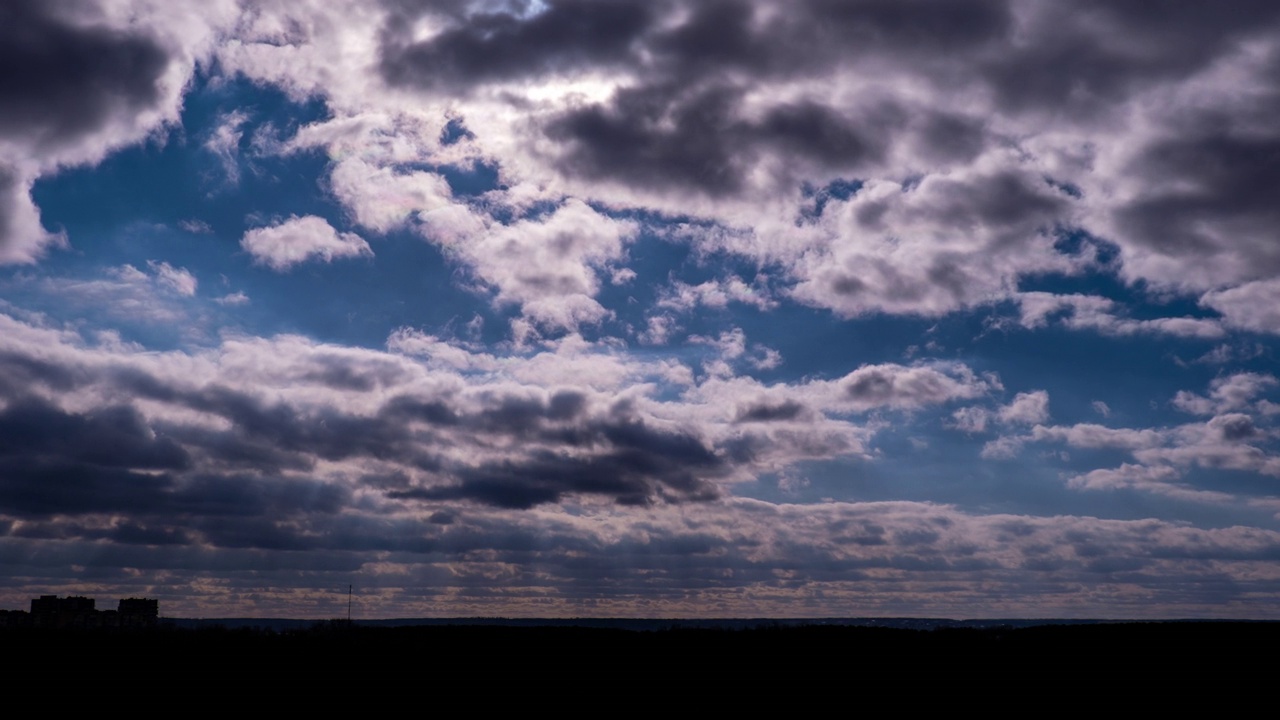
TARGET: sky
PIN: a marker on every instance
(642, 308)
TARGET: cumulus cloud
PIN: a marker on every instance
(949, 242)
(1091, 312)
(631, 104)
(967, 138)
(550, 266)
(1238, 436)
(81, 80)
(382, 199)
(720, 293)
(911, 387)
(1252, 306)
(1160, 479)
(1233, 392)
(299, 240)
(1027, 408)
(22, 238)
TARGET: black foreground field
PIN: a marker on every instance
(334, 652)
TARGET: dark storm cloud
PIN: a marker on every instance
(639, 466)
(683, 122)
(57, 463)
(277, 434)
(711, 39)
(20, 372)
(61, 80)
(1088, 55)
(568, 35)
(766, 412)
(510, 447)
(1226, 186)
(660, 136)
(110, 437)
(629, 141)
(11, 191)
(35, 486)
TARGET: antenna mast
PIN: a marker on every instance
(348, 604)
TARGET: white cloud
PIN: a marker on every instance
(1002, 448)
(1091, 435)
(233, 299)
(299, 240)
(1150, 478)
(971, 419)
(910, 387)
(1027, 408)
(1253, 306)
(1091, 312)
(382, 199)
(224, 143)
(551, 266)
(1233, 392)
(179, 280)
(715, 294)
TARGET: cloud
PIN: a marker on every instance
(572, 421)
(550, 265)
(1238, 437)
(904, 387)
(92, 78)
(915, 158)
(1092, 435)
(1233, 392)
(1160, 479)
(1028, 408)
(179, 280)
(1251, 306)
(161, 295)
(1091, 312)
(79, 78)
(270, 461)
(382, 199)
(949, 242)
(719, 293)
(22, 238)
(224, 143)
(299, 240)
(233, 299)
(287, 407)
(972, 419)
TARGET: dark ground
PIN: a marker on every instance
(551, 656)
